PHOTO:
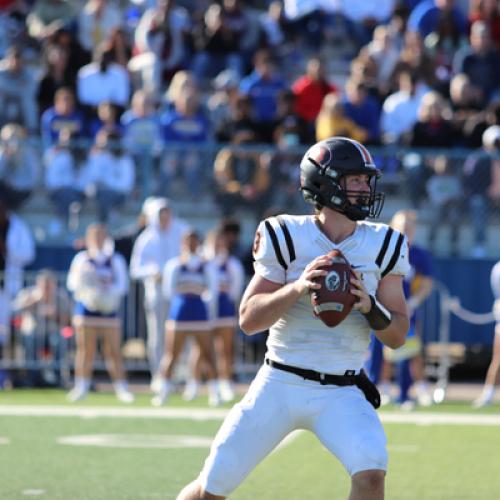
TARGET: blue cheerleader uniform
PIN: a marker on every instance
(184, 284)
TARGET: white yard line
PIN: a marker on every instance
(428, 418)
(114, 412)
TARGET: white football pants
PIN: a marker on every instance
(277, 403)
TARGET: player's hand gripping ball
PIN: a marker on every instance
(334, 301)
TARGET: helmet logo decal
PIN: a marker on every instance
(320, 155)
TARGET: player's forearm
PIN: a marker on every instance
(262, 310)
(394, 335)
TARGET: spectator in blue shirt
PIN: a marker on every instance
(184, 124)
(64, 115)
(141, 128)
(426, 16)
(363, 109)
(264, 86)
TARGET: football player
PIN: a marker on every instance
(312, 377)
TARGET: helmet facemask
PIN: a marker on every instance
(367, 204)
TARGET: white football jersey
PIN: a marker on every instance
(283, 247)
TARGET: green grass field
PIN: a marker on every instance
(138, 452)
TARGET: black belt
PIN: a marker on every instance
(349, 378)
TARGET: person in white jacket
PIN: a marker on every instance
(98, 280)
(159, 242)
(17, 250)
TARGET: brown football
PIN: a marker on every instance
(334, 301)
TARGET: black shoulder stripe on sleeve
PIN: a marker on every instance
(288, 238)
(394, 257)
(383, 249)
(276, 245)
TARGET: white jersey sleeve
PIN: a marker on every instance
(392, 257)
(268, 252)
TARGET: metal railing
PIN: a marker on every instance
(48, 348)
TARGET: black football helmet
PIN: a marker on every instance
(322, 169)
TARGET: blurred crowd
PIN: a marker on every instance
(115, 98)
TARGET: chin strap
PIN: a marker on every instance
(378, 317)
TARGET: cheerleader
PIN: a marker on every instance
(98, 280)
(230, 279)
(185, 280)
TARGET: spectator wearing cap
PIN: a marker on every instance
(159, 242)
(427, 15)
(310, 89)
(481, 182)
(481, 61)
(19, 166)
(263, 86)
(18, 88)
(217, 43)
(63, 115)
